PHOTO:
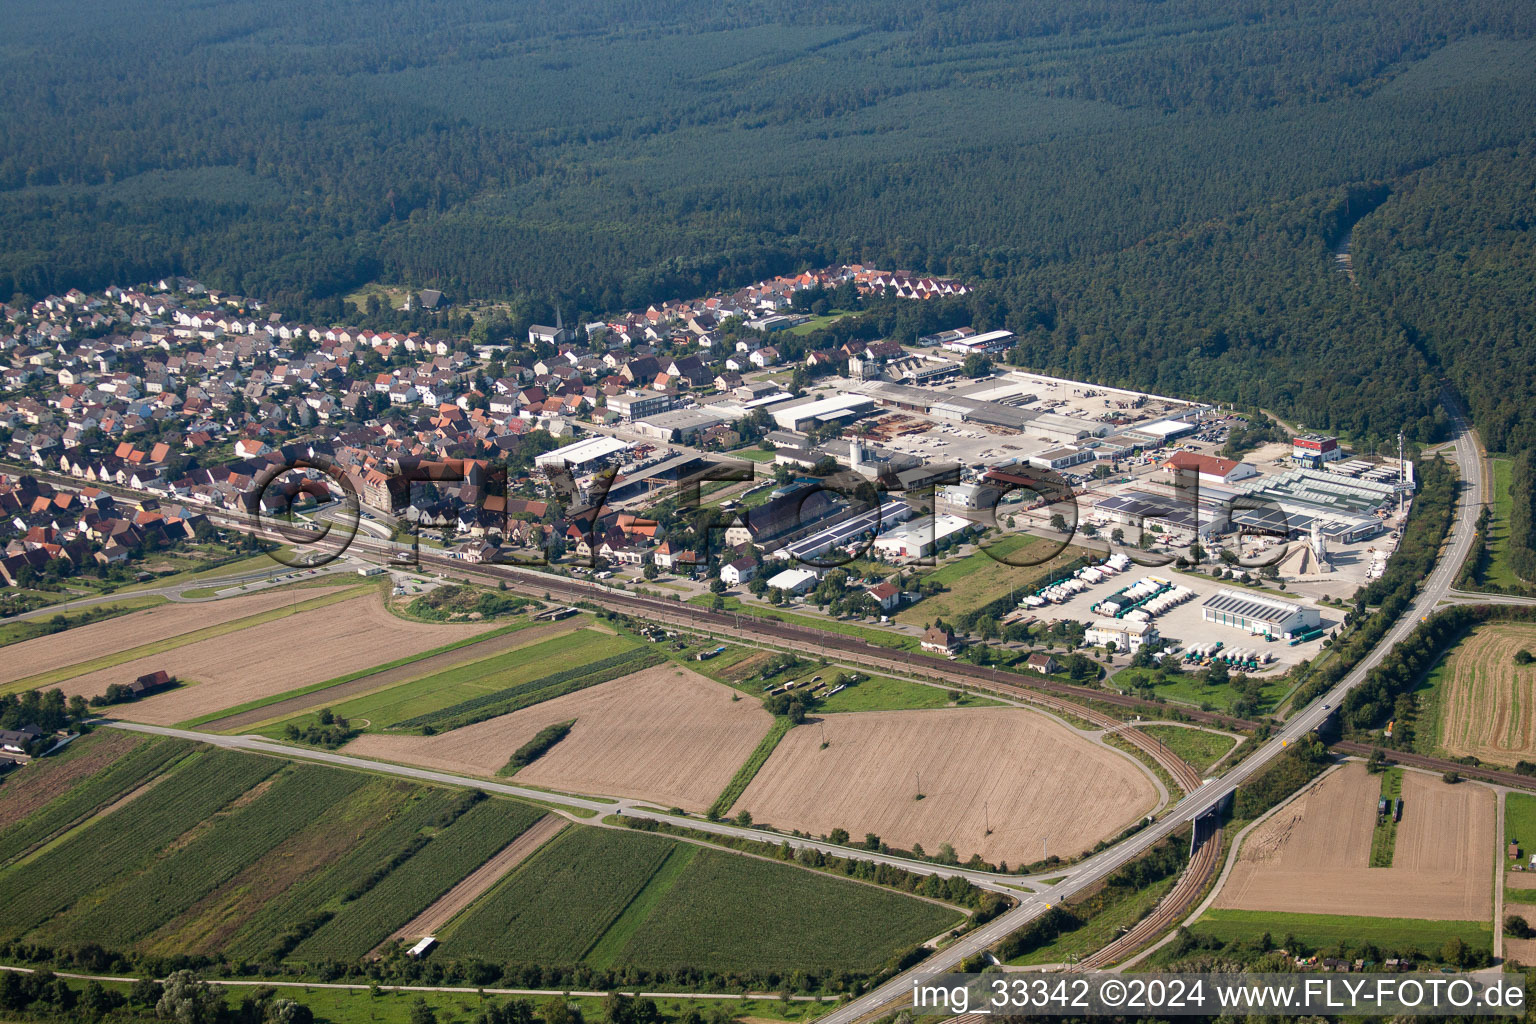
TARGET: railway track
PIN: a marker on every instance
(1514, 780)
(837, 644)
(1168, 911)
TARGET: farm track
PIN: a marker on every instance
(477, 883)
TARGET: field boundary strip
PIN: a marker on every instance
(536, 691)
(749, 769)
(608, 946)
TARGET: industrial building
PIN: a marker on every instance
(991, 341)
(867, 523)
(637, 405)
(793, 581)
(1313, 450)
(1258, 613)
(838, 408)
(921, 537)
(583, 455)
(1060, 458)
(1161, 431)
(1180, 520)
(1345, 509)
(1209, 468)
(1065, 429)
(1125, 634)
(684, 425)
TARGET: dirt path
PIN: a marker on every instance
(478, 882)
(389, 677)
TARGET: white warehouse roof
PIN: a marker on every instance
(582, 452)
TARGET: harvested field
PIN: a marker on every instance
(1520, 880)
(1031, 778)
(34, 785)
(1488, 703)
(1521, 951)
(663, 734)
(98, 639)
(1313, 856)
(272, 658)
(431, 920)
(390, 676)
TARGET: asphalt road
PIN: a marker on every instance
(1007, 884)
(1435, 589)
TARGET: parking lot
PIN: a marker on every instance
(1183, 622)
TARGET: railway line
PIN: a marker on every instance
(1197, 873)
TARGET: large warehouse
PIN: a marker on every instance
(1258, 614)
(583, 455)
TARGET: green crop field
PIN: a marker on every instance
(376, 832)
(1520, 820)
(388, 1006)
(558, 904)
(231, 853)
(728, 912)
(1198, 747)
(133, 905)
(1324, 931)
(471, 840)
(881, 693)
(630, 899)
(110, 848)
(110, 783)
(424, 697)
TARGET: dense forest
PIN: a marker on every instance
(1149, 193)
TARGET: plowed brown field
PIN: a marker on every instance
(1488, 703)
(1313, 856)
(1035, 782)
(664, 734)
(272, 658)
(86, 643)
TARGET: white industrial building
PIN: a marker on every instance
(793, 581)
(920, 537)
(683, 425)
(991, 341)
(1258, 613)
(821, 411)
(582, 454)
